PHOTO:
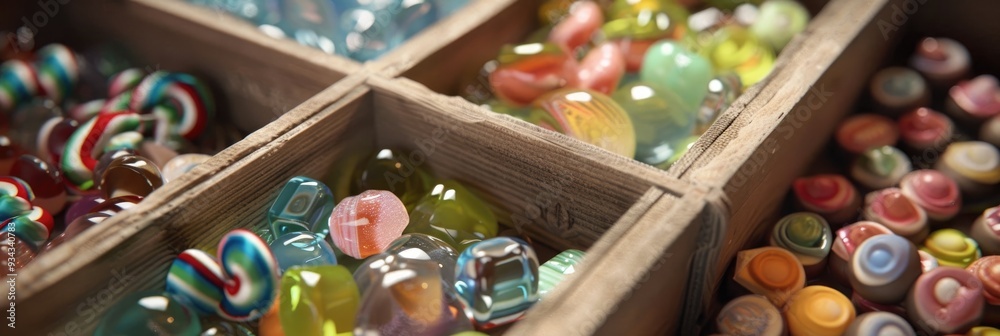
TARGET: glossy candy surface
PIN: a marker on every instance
(779, 21)
(829, 195)
(497, 279)
(393, 170)
(987, 270)
(722, 92)
(528, 71)
(977, 99)
(149, 313)
(819, 310)
(181, 164)
(881, 167)
(880, 323)
(635, 27)
(302, 249)
(770, 271)
(891, 208)
(590, 117)
(924, 129)
(933, 191)
(661, 119)
(861, 132)
(130, 175)
(952, 248)
(734, 48)
(453, 214)
(365, 224)
(945, 300)
(807, 236)
(986, 231)
(942, 60)
(45, 182)
(974, 165)
(303, 204)
(846, 240)
(552, 272)
(672, 67)
(883, 268)
(750, 315)
(415, 246)
(318, 300)
(897, 89)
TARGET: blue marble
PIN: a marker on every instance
(302, 249)
(303, 204)
(497, 279)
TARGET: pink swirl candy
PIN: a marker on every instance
(891, 208)
(933, 191)
(366, 224)
(946, 300)
(977, 99)
(924, 128)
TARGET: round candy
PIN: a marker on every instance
(881, 167)
(734, 48)
(393, 170)
(819, 310)
(105, 160)
(601, 69)
(974, 165)
(987, 269)
(770, 271)
(832, 196)
(861, 132)
(807, 236)
(946, 300)
(45, 182)
(883, 268)
(952, 248)
(411, 246)
(661, 120)
(778, 21)
(75, 228)
(53, 136)
(27, 234)
(880, 323)
(87, 142)
(925, 129)
(576, 29)
(191, 103)
(366, 224)
(18, 84)
(82, 207)
(846, 241)
(590, 117)
(182, 164)
(933, 191)
(130, 175)
(497, 297)
(635, 28)
(318, 300)
(115, 205)
(148, 313)
(899, 89)
(891, 208)
(528, 71)
(750, 315)
(302, 249)
(977, 99)
(986, 231)
(672, 67)
(58, 70)
(943, 61)
(241, 285)
(453, 214)
(15, 197)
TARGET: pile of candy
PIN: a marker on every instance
(66, 165)
(422, 259)
(640, 78)
(909, 256)
(360, 29)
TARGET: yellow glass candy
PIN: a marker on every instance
(734, 48)
(318, 301)
(589, 116)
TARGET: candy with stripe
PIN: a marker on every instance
(86, 145)
(58, 70)
(946, 300)
(933, 191)
(366, 224)
(974, 165)
(28, 233)
(891, 208)
(829, 195)
(552, 272)
(589, 116)
(808, 236)
(15, 197)
(125, 81)
(952, 248)
(881, 167)
(191, 103)
(241, 285)
(18, 84)
(528, 71)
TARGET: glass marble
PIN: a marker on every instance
(808, 236)
(312, 23)
(883, 268)
(364, 225)
(415, 246)
(258, 12)
(734, 48)
(115, 205)
(395, 171)
(683, 147)
(105, 160)
(409, 297)
(303, 204)
(454, 214)
(528, 71)
(778, 21)
(576, 29)
(181, 164)
(318, 300)
(372, 29)
(634, 28)
(552, 272)
(82, 207)
(723, 90)
(660, 118)
(497, 279)
(130, 175)
(952, 248)
(590, 117)
(671, 67)
(770, 271)
(820, 311)
(302, 249)
(148, 313)
(45, 181)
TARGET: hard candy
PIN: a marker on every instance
(734, 48)
(590, 117)
(45, 181)
(149, 313)
(25, 235)
(528, 71)
(778, 21)
(952, 248)
(576, 29)
(672, 67)
(497, 279)
(366, 224)
(75, 228)
(819, 310)
(415, 246)
(554, 271)
(181, 164)
(454, 214)
(634, 28)
(601, 69)
(883, 268)
(660, 118)
(302, 249)
(86, 145)
(723, 90)
(318, 300)
(946, 300)
(180, 99)
(808, 236)
(15, 197)
(130, 175)
(770, 271)
(394, 170)
(304, 204)
(53, 136)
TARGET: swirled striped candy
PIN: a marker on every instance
(15, 197)
(33, 228)
(240, 288)
(58, 70)
(87, 142)
(18, 84)
(194, 103)
(86, 111)
(808, 236)
(125, 81)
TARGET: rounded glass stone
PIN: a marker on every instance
(395, 170)
(304, 204)
(734, 48)
(672, 67)
(497, 279)
(302, 249)
(130, 175)
(454, 215)
(589, 116)
(148, 313)
(661, 120)
(416, 246)
(318, 300)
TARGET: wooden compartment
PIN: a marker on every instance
(560, 198)
(774, 133)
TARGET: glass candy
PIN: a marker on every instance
(318, 300)
(366, 224)
(416, 246)
(453, 214)
(498, 280)
(672, 67)
(634, 28)
(395, 171)
(734, 48)
(312, 23)
(148, 313)
(778, 21)
(528, 71)
(589, 116)
(552, 272)
(130, 175)
(45, 181)
(304, 204)
(660, 118)
(302, 249)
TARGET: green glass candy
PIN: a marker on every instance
(148, 313)
(660, 118)
(552, 272)
(672, 67)
(646, 20)
(734, 48)
(682, 147)
(454, 214)
(318, 300)
(778, 21)
(395, 171)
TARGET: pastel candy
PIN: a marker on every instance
(366, 224)
(304, 204)
(977, 99)
(883, 268)
(416, 246)
(318, 300)
(591, 117)
(986, 231)
(847, 240)
(241, 285)
(15, 197)
(672, 67)
(880, 323)
(497, 279)
(554, 271)
(409, 297)
(831, 196)
(891, 208)
(987, 270)
(576, 29)
(945, 300)
(302, 249)
(528, 71)
(974, 165)
(925, 129)
(819, 310)
(192, 102)
(898, 88)
(807, 236)
(770, 271)
(862, 132)
(87, 142)
(750, 315)
(933, 191)
(148, 313)
(660, 118)
(453, 214)
(943, 61)
(928, 261)
(130, 175)
(952, 248)
(601, 69)
(881, 167)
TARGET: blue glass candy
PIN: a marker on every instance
(415, 246)
(377, 26)
(498, 280)
(304, 204)
(148, 313)
(302, 249)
